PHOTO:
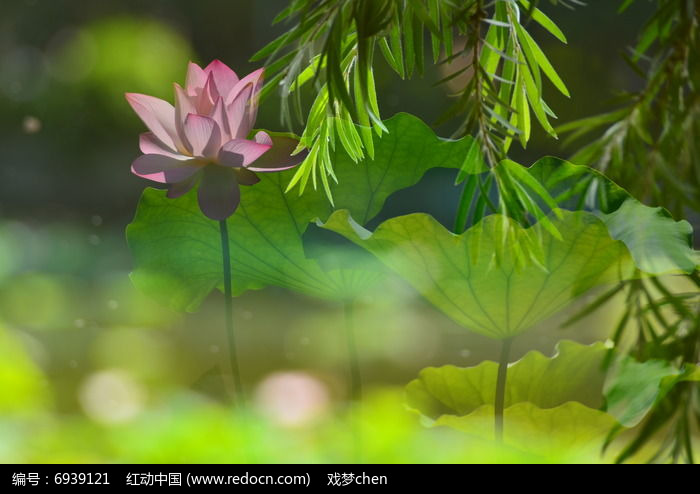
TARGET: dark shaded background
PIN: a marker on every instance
(67, 63)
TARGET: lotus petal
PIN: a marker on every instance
(159, 117)
(219, 194)
(224, 78)
(241, 152)
(164, 169)
(203, 135)
(279, 157)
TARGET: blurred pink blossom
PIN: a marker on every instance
(204, 138)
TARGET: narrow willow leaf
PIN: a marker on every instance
(497, 23)
(483, 201)
(597, 303)
(548, 110)
(315, 118)
(648, 36)
(307, 74)
(337, 85)
(540, 18)
(447, 31)
(473, 163)
(523, 113)
(435, 37)
(533, 96)
(625, 5)
(274, 45)
(532, 208)
(270, 86)
(509, 74)
(583, 126)
(307, 168)
(408, 42)
(378, 125)
(293, 8)
(325, 157)
(491, 50)
(504, 123)
(521, 174)
(344, 129)
(529, 53)
(388, 55)
(465, 203)
(419, 45)
(395, 43)
(422, 16)
(452, 75)
(364, 120)
(544, 63)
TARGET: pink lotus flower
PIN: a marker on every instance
(204, 138)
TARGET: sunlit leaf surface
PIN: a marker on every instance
(497, 297)
(571, 429)
(552, 404)
(177, 250)
(574, 373)
(657, 242)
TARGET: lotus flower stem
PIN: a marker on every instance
(500, 398)
(238, 395)
(355, 377)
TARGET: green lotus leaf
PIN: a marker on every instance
(626, 389)
(565, 403)
(501, 296)
(568, 432)
(657, 242)
(177, 249)
(574, 373)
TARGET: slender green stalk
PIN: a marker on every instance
(238, 395)
(355, 379)
(465, 200)
(500, 399)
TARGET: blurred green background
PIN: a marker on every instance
(90, 370)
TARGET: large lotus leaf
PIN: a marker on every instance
(177, 249)
(574, 373)
(497, 297)
(565, 403)
(627, 389)
(572, 430)
(576, 187)
(657, 242)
